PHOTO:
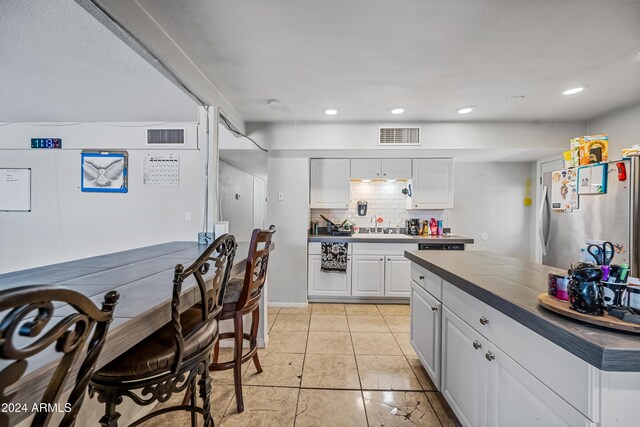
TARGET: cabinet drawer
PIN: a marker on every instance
(316, 249)
(427, 280)
(577, 382)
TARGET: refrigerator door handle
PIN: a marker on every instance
(544, 237)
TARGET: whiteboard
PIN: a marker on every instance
(15, 190)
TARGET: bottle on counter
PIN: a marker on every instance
(439, 227)
(424, 231)
(434, 226)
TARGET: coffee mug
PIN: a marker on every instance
(613, 293)
(557, 286)
(633, 296)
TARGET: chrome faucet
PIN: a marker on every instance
(375, 221)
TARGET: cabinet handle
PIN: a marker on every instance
(416, 206)
(421, 277)
(381, 259)
(489, 356)
(434, 308)
(484, 320)
(477, 345)
(384, 174)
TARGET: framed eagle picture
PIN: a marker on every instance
(104, 172)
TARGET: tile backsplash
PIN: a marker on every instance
(385, 199)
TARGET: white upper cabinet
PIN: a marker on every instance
(380, 168)
(330, 180)
(432, 184)
(396, 168)
(366, 168)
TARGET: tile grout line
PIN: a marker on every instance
(304, 359)
(364, 406)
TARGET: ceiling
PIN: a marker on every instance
(60, 64)
(428, 56)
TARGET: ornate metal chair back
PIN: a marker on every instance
(211, 272)
(30, 328)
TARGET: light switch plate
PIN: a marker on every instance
(280, 196)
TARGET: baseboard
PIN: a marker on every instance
(287, 304)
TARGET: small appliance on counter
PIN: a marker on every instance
(413, 226)
(362, 207)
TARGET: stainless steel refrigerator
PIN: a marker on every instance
(612, 217)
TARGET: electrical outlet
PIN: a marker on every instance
(187, 216)
(280, 196)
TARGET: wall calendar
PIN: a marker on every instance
(162, 170)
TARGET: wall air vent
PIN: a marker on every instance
(157, 136)
(393, 136)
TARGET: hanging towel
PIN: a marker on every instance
(334, 257)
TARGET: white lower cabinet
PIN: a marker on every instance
(368, 275)
(397, 276)
(486, 388)
(320, 283)
(462, 368)
(425, 330)
(514, 397)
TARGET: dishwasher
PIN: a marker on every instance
(441, 246)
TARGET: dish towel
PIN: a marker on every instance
(334, 257)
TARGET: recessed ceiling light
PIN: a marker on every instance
(275, 104)
(573, 90)
(397, 110)
(466, 110)
(331, 111)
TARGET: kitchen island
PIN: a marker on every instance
(501, 359)
(375, 267)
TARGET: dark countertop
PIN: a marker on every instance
(511, 286)
(400, 238)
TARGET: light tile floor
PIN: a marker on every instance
(331, 365)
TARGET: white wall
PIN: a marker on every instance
(288, 262)
(623, 127)
(66, 223)
(489, 199)
(509, 137)
(239, 211)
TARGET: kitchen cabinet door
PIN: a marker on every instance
(425, 330)
(397, 280)
(517, 398)
(329, 183)
(365, 169)
(432, 184)
(327, 284)
(463, 378)
(368, 275)
(396, 168)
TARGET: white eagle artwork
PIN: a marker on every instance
(104, 172)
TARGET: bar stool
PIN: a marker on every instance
(172, 358)
(243, 297)
(25, 332)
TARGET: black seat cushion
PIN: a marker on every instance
(156, 353)
(233, 290)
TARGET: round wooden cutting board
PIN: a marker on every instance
(607, 321)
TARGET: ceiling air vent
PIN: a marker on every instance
(159, 136)
(399, 136)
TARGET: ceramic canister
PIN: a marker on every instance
(633, 296)
(557, 286)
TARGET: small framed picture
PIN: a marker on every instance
(104, 172)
